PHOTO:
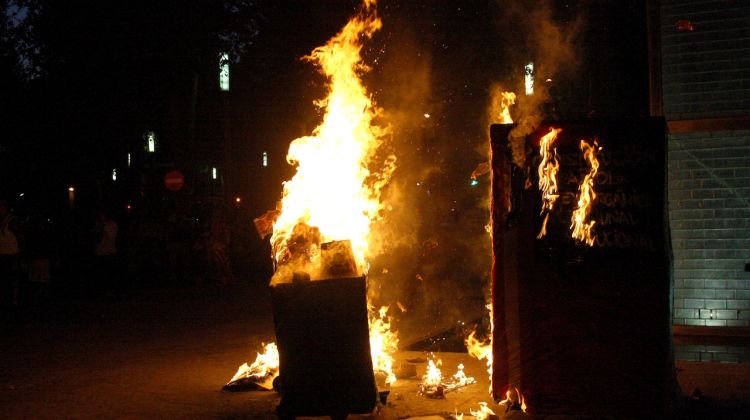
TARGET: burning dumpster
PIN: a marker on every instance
(581, 269)
(324, 348)
(321, 243)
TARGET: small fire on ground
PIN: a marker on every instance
(434, 385)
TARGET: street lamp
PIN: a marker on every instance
(150, 141)
(224, 72)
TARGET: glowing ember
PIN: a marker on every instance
(548, 168)
(586, 195)
(264, 369)
(383, 344)
(335, 192)
(484, 412)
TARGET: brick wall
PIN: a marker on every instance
(706, 71)
(706, 74)
(709, 208)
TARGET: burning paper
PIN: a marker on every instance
(434, 385)
(458, 380)
(484, 412)
(586, 195)
(431, 386)
(262, 372)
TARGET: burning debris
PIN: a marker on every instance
(434, 385)
(484, 412)
(261, 373)
(431, 386)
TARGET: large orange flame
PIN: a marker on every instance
(334, 194)
(548, 168)
(335, 190)
(586, 195)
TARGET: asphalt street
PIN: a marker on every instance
(167, 354)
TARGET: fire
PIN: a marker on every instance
(499, 107)
(482, 350)
(264, 369)
(548, 168)
(506, 100)
(586, 195)
(484, 412)
(329, 205)
(514, 400)
(383, 344)
(335, 192)
(433, 376)
(435, 385)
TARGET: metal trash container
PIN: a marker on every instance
(322, 335)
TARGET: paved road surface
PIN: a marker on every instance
(166, 354)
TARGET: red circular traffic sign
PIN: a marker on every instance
(174, 180)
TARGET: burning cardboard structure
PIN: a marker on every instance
(582, 324)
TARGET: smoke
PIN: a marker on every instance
(549, 41)
(430, 76)
(401, 82)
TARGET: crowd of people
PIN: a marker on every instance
(99, 253)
